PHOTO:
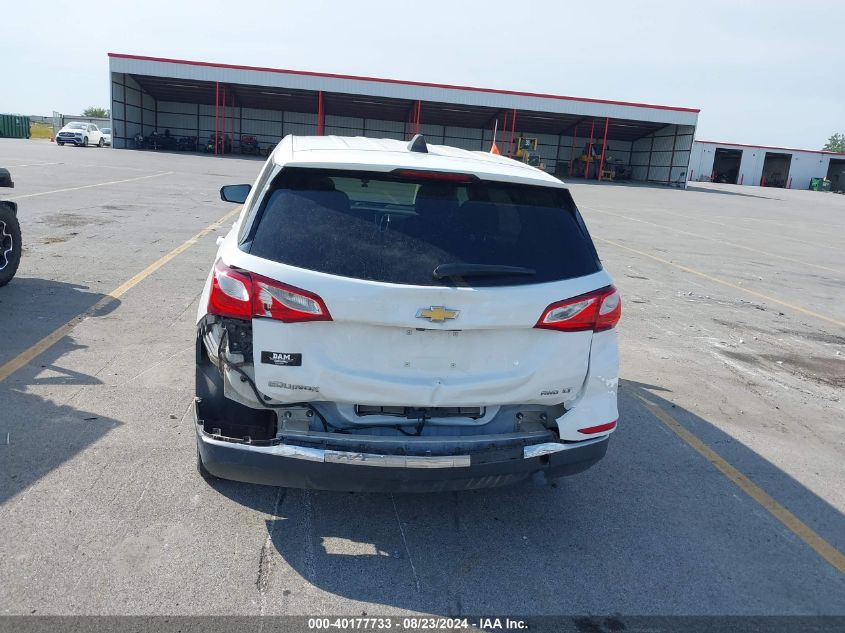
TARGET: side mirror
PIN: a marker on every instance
(235, 193)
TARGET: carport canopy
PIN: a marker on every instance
(392, 109)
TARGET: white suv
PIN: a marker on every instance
(80, 134)
(395, 316)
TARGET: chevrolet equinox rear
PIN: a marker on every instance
(401, 316)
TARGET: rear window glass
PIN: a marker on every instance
(394, 229)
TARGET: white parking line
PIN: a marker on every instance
(756, 231)
(99, 184)
(31, 165)
(720, 241)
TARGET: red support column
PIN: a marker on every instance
(589, 151)
(216, 114)
(231, 122)
(572, 153)
(603, 146)
(321, 115)
(412, 125)
(513, 129)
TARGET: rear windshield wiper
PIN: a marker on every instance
(444, 271)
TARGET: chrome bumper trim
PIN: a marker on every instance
(348, 457)
(398, 461)
(388, 461)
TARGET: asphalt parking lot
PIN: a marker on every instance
(722, 491)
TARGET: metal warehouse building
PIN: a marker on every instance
(203, 99)
(765, 166)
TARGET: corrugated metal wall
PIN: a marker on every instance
(126, 110)
(663, 156)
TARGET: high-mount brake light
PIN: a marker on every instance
(243, 295)
(444, 176)
(597, 311)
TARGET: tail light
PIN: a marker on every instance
(230, 292)
(597, 311)
(279, 301)
(243, 295)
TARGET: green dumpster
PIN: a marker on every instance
(14, 126)
(819, 184)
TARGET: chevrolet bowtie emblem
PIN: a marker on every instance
(437, 314)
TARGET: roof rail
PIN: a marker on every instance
(418, 144)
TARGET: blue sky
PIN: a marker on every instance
(761, 72)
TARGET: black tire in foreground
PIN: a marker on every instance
(10, 243)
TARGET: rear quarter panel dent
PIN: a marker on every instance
(598, 401)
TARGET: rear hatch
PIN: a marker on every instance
(416, 289)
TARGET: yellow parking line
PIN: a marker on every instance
(99, 184)
(724, 283)
(720, 241)
(789, 520)
(29, 354)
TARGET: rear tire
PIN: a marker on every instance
(100, 143)
(10, 244)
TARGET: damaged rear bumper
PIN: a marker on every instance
(407, 470)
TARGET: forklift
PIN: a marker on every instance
(590, 160)
(526, 152)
